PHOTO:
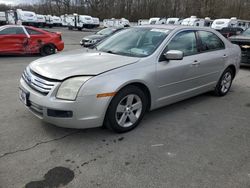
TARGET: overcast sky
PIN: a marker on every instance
(14, 2)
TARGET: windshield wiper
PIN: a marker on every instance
(111, 52)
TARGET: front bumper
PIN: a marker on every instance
(87, 111)
(60, 45)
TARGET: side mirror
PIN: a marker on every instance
(174, 55)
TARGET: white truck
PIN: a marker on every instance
(26, 17)
(123, 22)
(3, 20)
(80, 22)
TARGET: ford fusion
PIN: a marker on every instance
(135, 70)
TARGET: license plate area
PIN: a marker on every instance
(24, 97)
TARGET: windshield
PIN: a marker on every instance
(106, 31)
(246, 33)
(135, 42)
(219, 22)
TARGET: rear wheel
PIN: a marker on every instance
(48, 50)
(225, 82)
(126, 109)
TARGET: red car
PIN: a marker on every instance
(17, 39)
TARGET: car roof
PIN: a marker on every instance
(175, 27)
(7, 26)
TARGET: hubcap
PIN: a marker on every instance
(226, 82)
(128, 110)
(49, 50)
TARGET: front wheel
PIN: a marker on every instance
(126, 109)
(225, 83)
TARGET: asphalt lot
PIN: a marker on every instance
(200, 142)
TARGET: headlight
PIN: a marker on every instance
(70, 87)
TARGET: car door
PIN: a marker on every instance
(212, 59)
(12, 40)
(36, 40)
(175, 78)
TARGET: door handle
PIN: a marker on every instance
(225, 55)
(196, 63)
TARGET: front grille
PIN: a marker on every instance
(38, 83)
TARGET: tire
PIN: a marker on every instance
(48, 50)
(225, 83)
(126, 117)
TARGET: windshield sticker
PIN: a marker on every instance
(160, 30)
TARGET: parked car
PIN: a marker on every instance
(91, 40)
(230, 31)
(16, 39)
(137, 69)
(243, 40)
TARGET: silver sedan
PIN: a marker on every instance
(135, 70)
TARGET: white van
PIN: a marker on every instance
(219, 24)
(26, 17)
(3, 19)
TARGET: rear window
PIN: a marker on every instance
(210, 41)
(33, 32)
(219, 22)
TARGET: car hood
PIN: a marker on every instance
(79, 62)
(94, 37)
(239, 38)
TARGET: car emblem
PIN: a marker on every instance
(245, 46)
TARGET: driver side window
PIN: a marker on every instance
(184, 41)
